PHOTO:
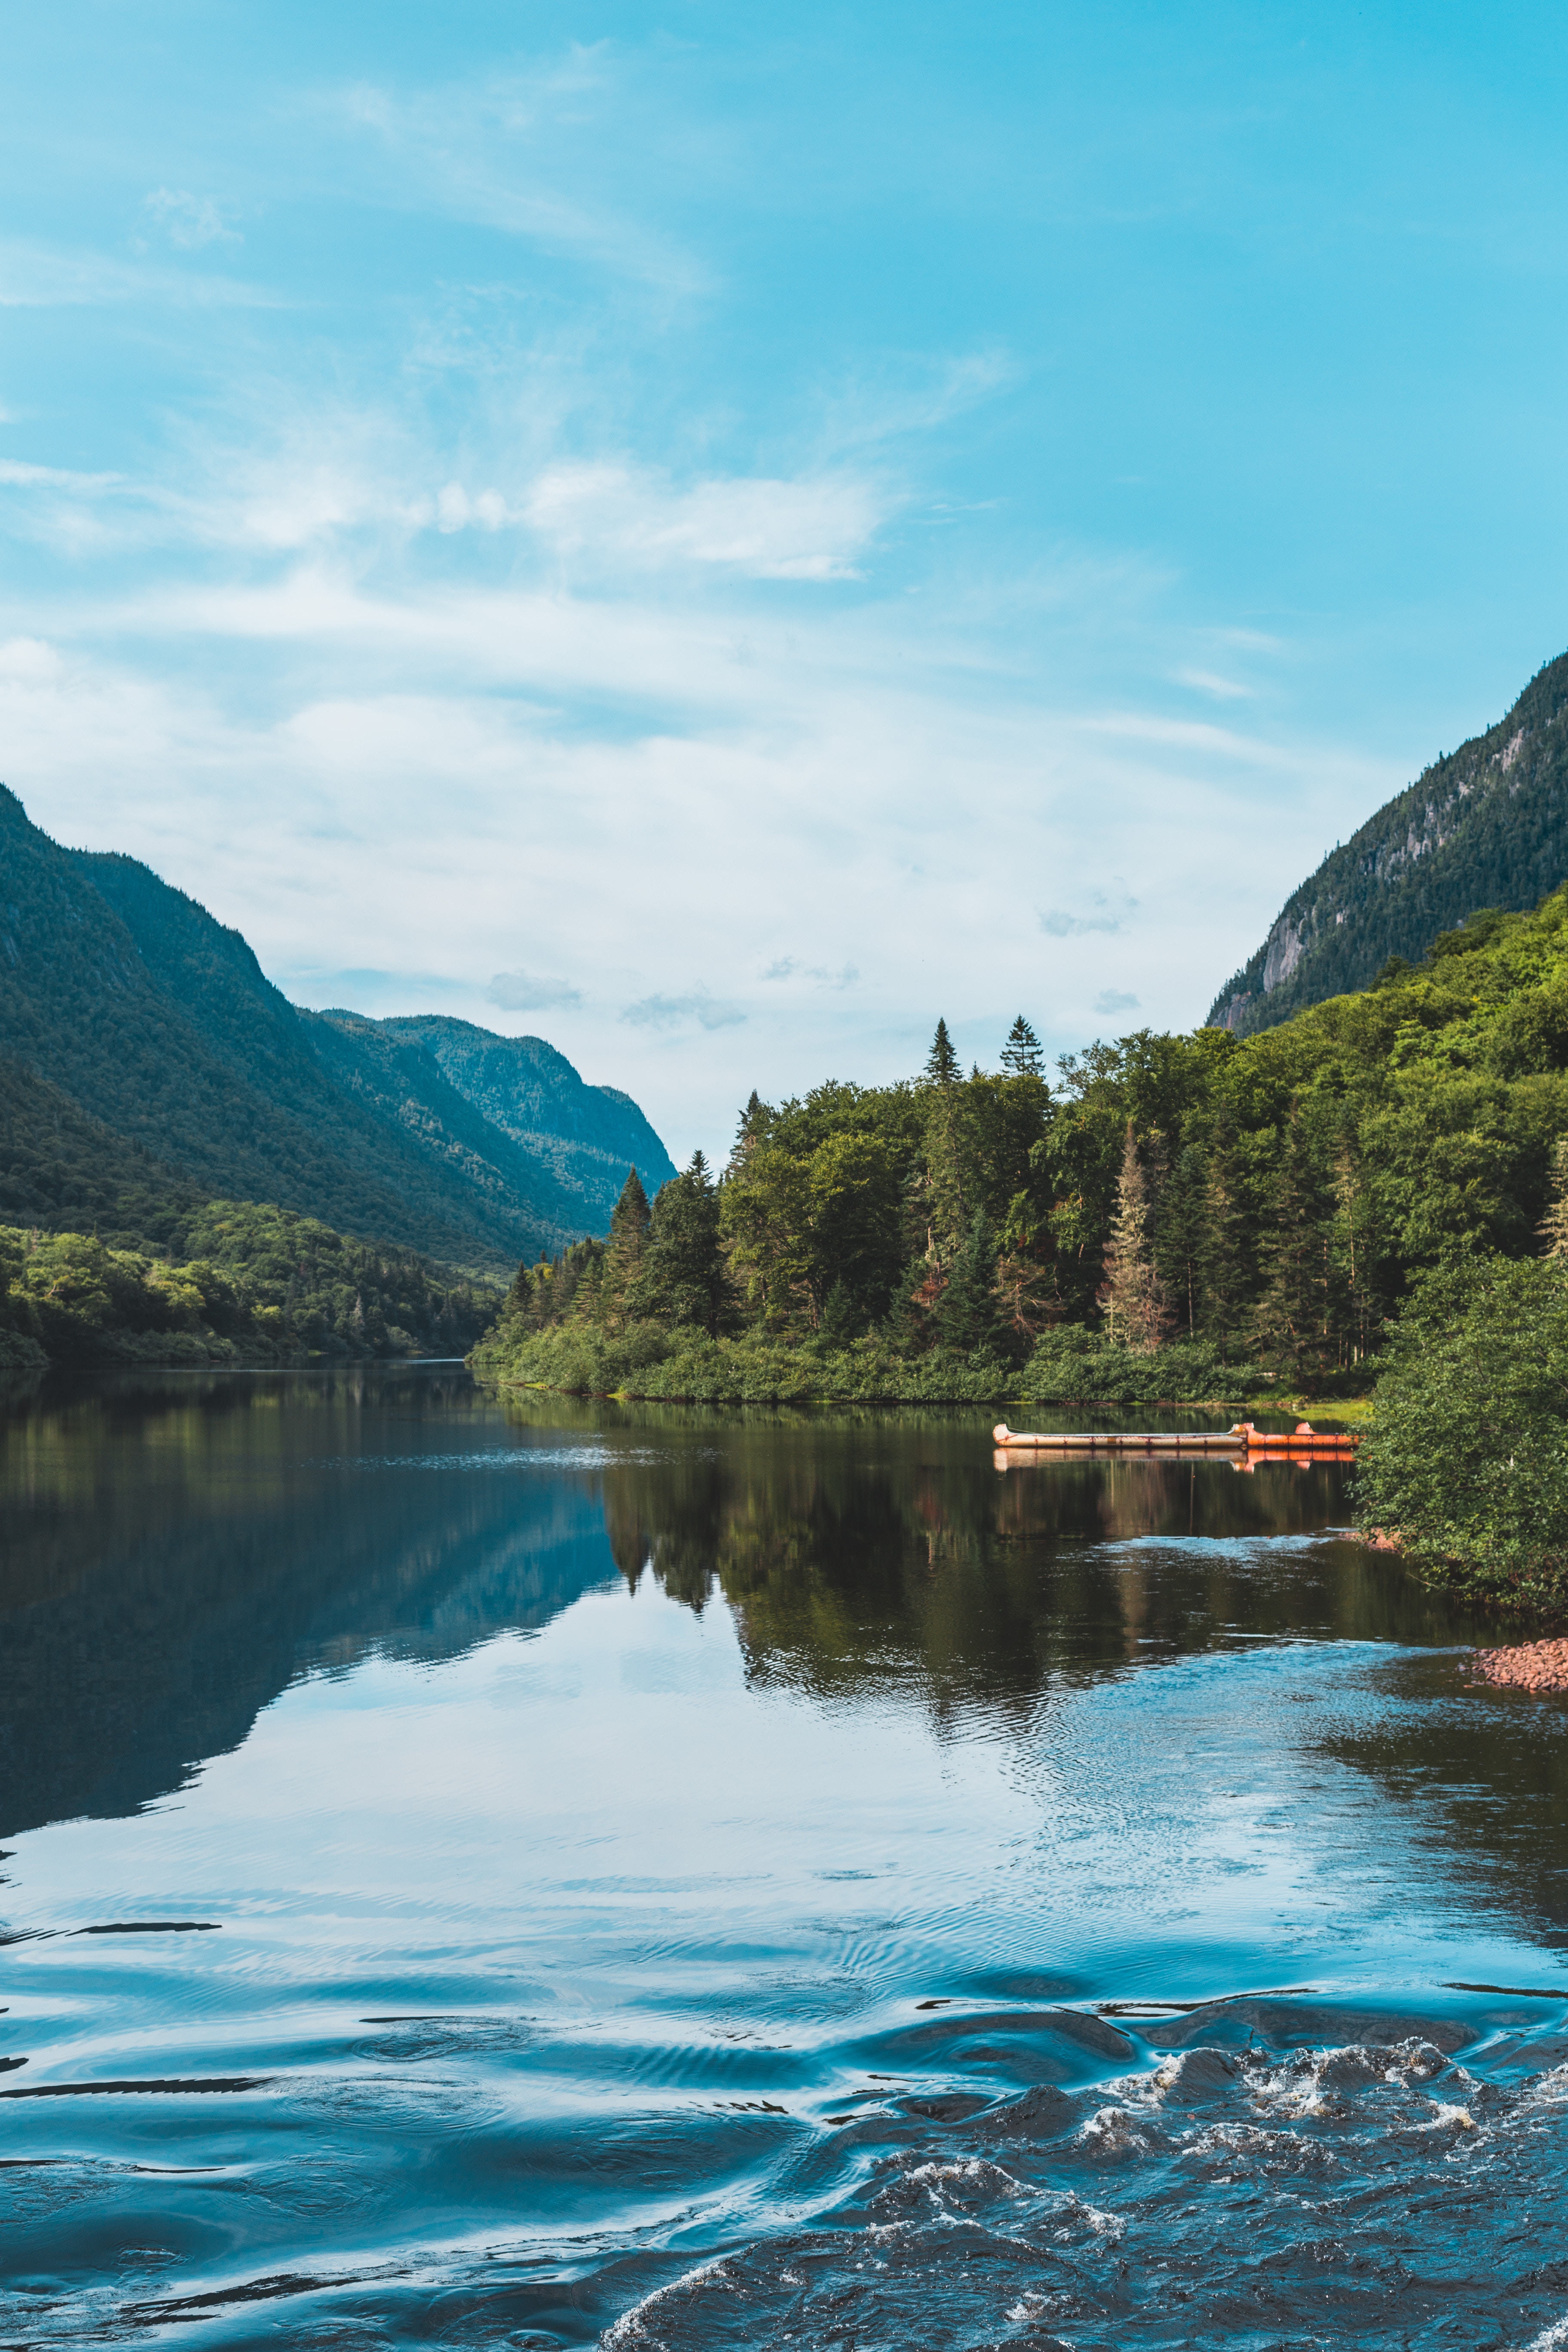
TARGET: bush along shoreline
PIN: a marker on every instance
(685, 1365)
(1465, 1472)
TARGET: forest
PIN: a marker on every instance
(1163, 1216)
(251, 1285)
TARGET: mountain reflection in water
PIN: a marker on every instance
(660, 1871)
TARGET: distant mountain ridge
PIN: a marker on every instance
(1485, 827)
(145, 1040)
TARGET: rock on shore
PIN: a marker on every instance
(1529, 1665)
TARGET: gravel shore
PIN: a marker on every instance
(1528, 1666)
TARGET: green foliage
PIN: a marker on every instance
(684, 1279)
(252, 1285)
(1467, 1459)
(1429, 875)
(1264, 1204)
(648, 1360)
(1073, 1366)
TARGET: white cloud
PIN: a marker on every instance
(1059, 925)
(1115, 999)
(41, 277)
(188, 222)
(1208, 681)
(524, 992)
(677, 1012)
(766, 529)
(530, 152)
(790, 968)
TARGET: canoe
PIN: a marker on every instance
(1303, 1443)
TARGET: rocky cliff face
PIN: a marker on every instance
(1485, 827)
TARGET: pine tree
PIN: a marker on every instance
(753, 1130)
(1222, 1261)
(1354, 1253)
(1023, 1056)
(942, 1061)
(683, 1278)
(1293, 1321)
(966, 1314)
(624, 1255)
(1182, 1236)
(1132, 1297)
(1553, 1225)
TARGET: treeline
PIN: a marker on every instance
(1169, 1215)
(254, 1284)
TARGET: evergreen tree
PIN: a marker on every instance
(946, 1189)
(1553, 1225)
(1132, 1297)
(1293, 1321)
(683, 1280)
(753, 1130)
(965, 1314)
(1023, 1056)
(1221, 1262)
(1354, 1243)
(623, 1255)
(1182, 1236)
(942, 1061)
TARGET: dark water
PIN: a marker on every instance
(563, 1871)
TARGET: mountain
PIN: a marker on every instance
(1485, 827)
(147, 1048)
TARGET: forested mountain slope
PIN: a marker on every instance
(1485, 827)
(587, 1136)
(163, 1042)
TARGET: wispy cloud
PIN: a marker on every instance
(676, 1012)
(1115, 999)
(819, 975)
(525, 153)
(1208, 681)
(42, 276)
(187, 221)
(766, 529)
(523, 992)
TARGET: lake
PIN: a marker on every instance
(491, 1872)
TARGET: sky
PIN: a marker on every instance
(716, 535)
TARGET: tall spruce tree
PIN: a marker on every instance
(1293, 1321)
(683, 1279)
(966, 1315)
(1222, 1261)
(1182, 1237)
(1355, 1253)
(946, 1186)
(623, 1252)
(1132, 1297)
(942, 1063)
(1023, 1056)
(1553, 1225)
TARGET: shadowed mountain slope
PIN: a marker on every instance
(1485, 827)
(587, 1136)
(156, 1025)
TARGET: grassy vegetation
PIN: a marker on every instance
(687, 1365)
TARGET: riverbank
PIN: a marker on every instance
(1068, 1368)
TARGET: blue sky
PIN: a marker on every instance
(715, 535)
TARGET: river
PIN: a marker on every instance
(525, 1872)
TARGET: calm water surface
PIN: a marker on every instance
(486, 1873)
